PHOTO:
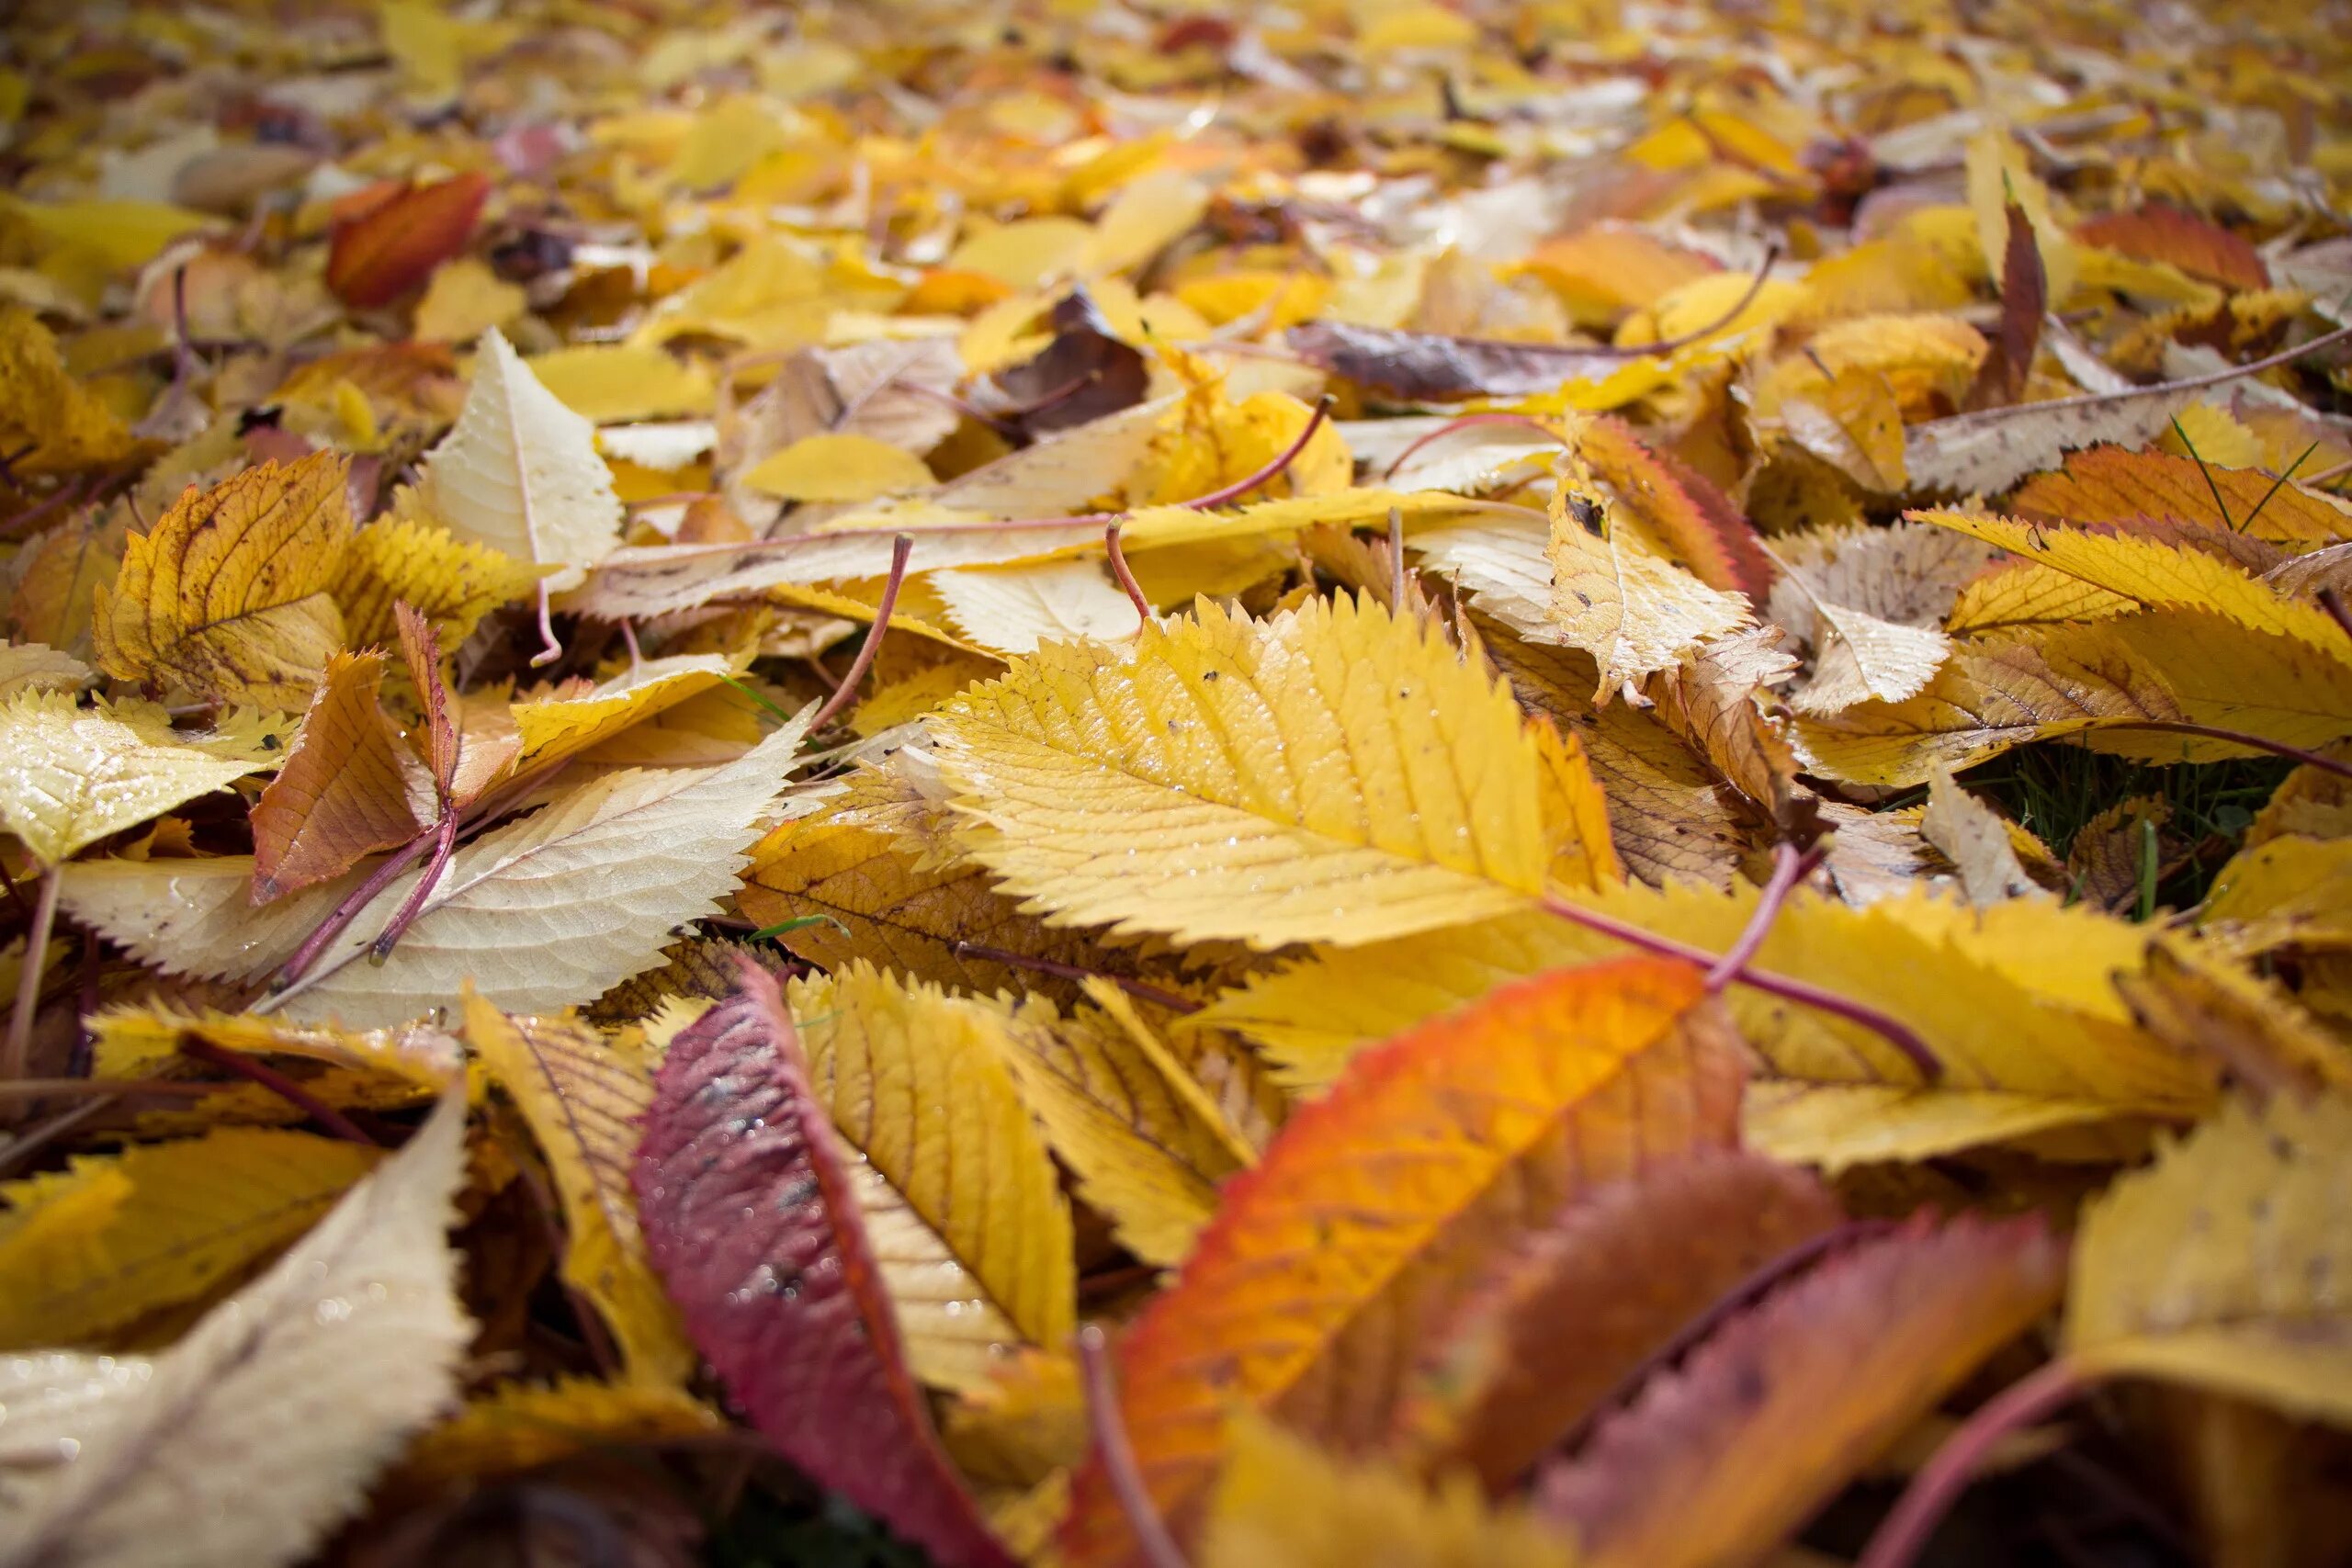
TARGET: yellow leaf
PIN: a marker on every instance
(406, 558)
(1145, 1155)
(377, 1069)
(30, 666)
(1277, 299)
(70, 776)
(465, 299)
(585, 1097)
(185, 1217)
(2208, 436)
(1282, 1500)
(1635, 613)
(2221, 1265)
(1124, 785)
(227, 595)
(728, 138)
(343, 795)
(1025, 254)
(519, 1426)
(428, 43)
(1998, 174)
(569, 719)
(613, 383)
(2044, 1040)
(2029, 593)
(114, 236)
(2291, 889)
(1143, 219)
(917, 1082)
(831, 467)
(1411, 24)
(46, 413)
(519, 472)
(1013, 609)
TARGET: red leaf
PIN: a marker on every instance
(2162, 232)
(2025, 295)
(395, 245)
(750, 1219)
(1780, 1407)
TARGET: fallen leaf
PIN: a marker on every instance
(72, 775)
(342, 794)
(395, 245)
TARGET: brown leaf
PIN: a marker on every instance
(342, 794)
(395, 245)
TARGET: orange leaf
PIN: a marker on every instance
(395, 244)
(2109, 485)
(1566, 1315)
(1780, 1408)
(341, 795)
(1312, 1289)
(2162, 232)
(1681, 507)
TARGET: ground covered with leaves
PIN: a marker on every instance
(1375, 782)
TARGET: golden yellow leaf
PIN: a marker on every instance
(1282, 1500)
(227, 595)
(519, 1426)
(583, 1097)
(1635, 613)
(612, 383)
(2197, 997)
(1125, 786)
(2029, 593)
(831, 467)
(566, 720)
(464, 300)
(56, 576)
(343, 795)
(31, 667)
(2204, 433)
(2044, 1041)
(46, 413)
(2220, 1264)
(1145, 1155)
(408, 559)
(1024, 254)
(2290, 889)
(1143, 219)
(69, 776)
(376, 1069)
(917, 1082)
(183, 1217)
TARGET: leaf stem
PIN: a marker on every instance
(18, 1050)
(1288, 455)
(550, 649)
(1109, 1430)
(358, 898)
(1905, 1531)
(445, 843)
(899, 551)
(1139, 989)
(2236, 737)
(1789, 868)
(278, 1084)
(1894, 1031)
(1125, 573)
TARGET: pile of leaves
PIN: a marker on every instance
(1495, 782)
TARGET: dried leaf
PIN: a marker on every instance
(343, 794)
(788, 1304)
(395, 245)
(1634, 612)
(70, 776)
(317, 1372)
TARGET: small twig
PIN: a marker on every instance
(1110, 1432)
(550, 649)
(278, 1084)
(19, 1151)
(1789, 869)
(1139, 989)
(2334, 472)
(2234, 737)
(1895, 1032)
(1905, 1531)
(628, 636)
(1125, 574)
(899, 552)
(18, 1051)
(1283, 459)
(444, 845)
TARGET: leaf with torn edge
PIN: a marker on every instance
(1633, 612)
(227, 596)
(1122, 785)
(343, 794)
(1720, 1459)
(1307, 1295)
(583, 1097)
(751, 1216)
(315, 1374)
(519, 473)
(2217, 1264)
(917, 1082)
